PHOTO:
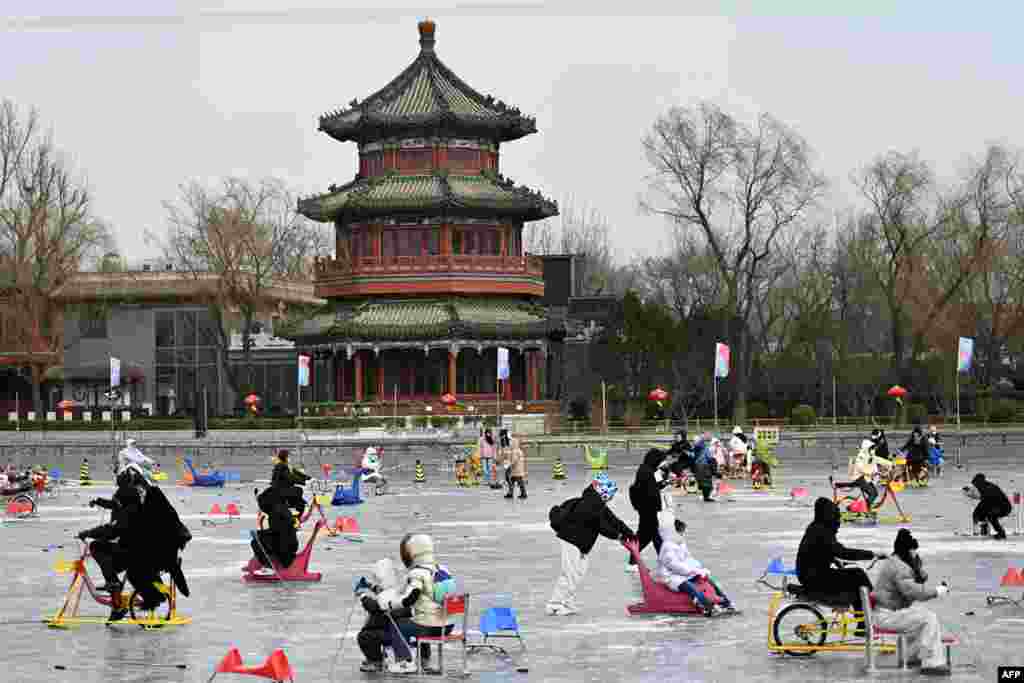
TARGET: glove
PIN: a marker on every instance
(942, 589)
(92, 503)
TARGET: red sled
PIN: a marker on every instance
(298, 571)
(660, 599)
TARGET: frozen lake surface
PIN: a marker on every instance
(503, 553)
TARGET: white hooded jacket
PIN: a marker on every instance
(133, 456)
(384, 578)
(675, 563)
(425, 611)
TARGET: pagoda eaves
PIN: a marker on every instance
(427, 99)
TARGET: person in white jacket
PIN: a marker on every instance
(901, 584)
(680, 571)
(130, 455)
(863, 468)
(740, 447)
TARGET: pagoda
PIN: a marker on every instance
(430, 277)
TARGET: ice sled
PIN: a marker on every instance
(660, 599)
(344, 496)
(214, 479)
(297, 571)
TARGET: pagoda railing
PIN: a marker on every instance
(528, 265)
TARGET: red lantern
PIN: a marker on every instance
(449, 400)
(252, 399)
(897, 392)
(66, 405)
(658, 394)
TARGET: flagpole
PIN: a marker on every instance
(498, 384)
(716, 400)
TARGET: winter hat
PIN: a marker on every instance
(737, 430)
(979, 477)
(904, 543)
(605, 487)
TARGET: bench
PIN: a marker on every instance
(874, 632)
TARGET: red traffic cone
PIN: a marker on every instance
(276, 668)
(215, 510)
(1013, 577)
(232, 509)
(347, 525)
(799, 492)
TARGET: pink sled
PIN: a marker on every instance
(660, 599)
(298, 571)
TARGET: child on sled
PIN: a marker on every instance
(681, 571)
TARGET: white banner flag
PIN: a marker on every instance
(502, 363)
(115, 372)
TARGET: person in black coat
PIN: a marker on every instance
(881, 443)
(118, 543)
(645, 497)
(279, 540)
(916, 449)
(993, 505)
(819, 553)
(705, 467)
(578, 522)
(289, 483)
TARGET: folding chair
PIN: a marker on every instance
(498, 622)
(453, 606)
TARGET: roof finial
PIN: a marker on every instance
(427, 35)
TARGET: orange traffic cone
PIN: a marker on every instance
(232, 510)
(276, 668)
(215, 510)
(1013, 577)
(347, 525)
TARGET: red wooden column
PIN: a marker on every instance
(537, 358)
(358, 358)
(452, 364)
(380, 377)
(530, 376)
(339, 376)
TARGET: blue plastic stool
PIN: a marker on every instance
(499, 622)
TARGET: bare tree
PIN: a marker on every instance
(584, 232)
(247, 235)
(741, 189)
(47, 231)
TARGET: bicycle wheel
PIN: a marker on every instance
(163, 612)
(804, 626)
(23, 499)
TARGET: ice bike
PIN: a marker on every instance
(68, 615)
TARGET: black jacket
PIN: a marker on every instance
(288, 483)
(819, 548)
(916, 452)
(581, 520)
(992, 497)
(280, 538)
(127, 525)
(645, 493)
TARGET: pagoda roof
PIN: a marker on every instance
(84, 287)
(486, 194)
(414, 320)
(427, 97)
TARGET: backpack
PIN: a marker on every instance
(444, 583)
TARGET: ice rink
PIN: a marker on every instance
(504, 554)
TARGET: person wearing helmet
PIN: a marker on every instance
(422, 595)
(131, 455)
(578, 522)
(863, 470)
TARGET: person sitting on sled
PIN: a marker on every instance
(427, 585)
(862, 470)
(379, 631)
(681, 571)
(130, 455)
(280, 540)
(288, 482)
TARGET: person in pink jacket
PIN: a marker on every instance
(679, 570)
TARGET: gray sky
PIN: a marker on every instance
(201, 90)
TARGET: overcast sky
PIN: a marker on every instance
(197, 89)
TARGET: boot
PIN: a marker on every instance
(117, 609)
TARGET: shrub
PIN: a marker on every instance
(1003, 410)
(803, 414)
(757, 409)
(917, 413)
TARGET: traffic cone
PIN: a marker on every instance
(232, 510)
(558, 469)
(215, 510)
(1013, 577)
(421, 473)
(83, 473)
